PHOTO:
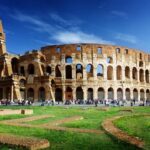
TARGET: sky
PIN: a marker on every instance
(31, 24)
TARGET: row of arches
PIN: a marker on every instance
(99, 71)
(90, 93)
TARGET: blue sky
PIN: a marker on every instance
(31, 24)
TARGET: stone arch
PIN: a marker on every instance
(134, 73)
(58, 94)
(68, 72)
(119, 73)
(148, 94)
(141, 75)
(140, 63)
(110, 73)
(79, 93)
(89, 70)
(79, 71)
(127, 72)
(68, 59)
(147, 76)
(90, 94)
(22, 93)
(68, 93)
(31, 69)
(57, 71)
(41, 94)
(30, 94)
(42, 59)
(101, 93)
(109, 60)
(1, 93)
(15, 65)
(100, 70)
(110, 93)
(119, 94)
(22, 71)
(142, 95)
(135, 94)
(127, 94)
(48, 70)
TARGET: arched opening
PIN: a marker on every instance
(57, 71)
(89, 70)
(134, 73)
(58, 94)
(1, 69)
(127, 94)
(48, 70)
(42, 59)
(117, 50)
(68, 93)
(110, 73)
(119, 94)
(22, 71)
(101, 94)
(22, 83)
(109, 60)
(100, 71)
(31, 69)
(90, 94)
(22, 92)
(41, 94)
(8, 93)
(147, 76)
(119, 73)
(141, 73)
(127, 72)
(68, 72)
(135, 94)
(1, 93)
(142, 97)
(14, 64)
(68, 59)
(148, 94)
(30, 94)
(110, 93)
(79, 71)
(140, 63)
(79, 93)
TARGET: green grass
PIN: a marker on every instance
(71, 140)
(138, 126)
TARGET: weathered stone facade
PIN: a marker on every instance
(74, 71)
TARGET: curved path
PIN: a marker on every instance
(110, 128)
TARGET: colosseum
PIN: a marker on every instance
(74, 71)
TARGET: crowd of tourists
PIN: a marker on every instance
(96, 102)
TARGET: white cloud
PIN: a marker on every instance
(57, 32)
(119, 14)
(78, 37)
(126, 37)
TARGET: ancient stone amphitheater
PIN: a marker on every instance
(74, 71)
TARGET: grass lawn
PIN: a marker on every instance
(93, 117)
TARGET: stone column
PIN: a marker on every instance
(131, 77)
(131, 94)
(73, 71)
(74, 93)
(63, 92)
(105, 72)
(115, 93)
(124, 93)
(114, 73)
(95, 96)
(12, 93)
(95, 72)
(53, 70)
(138, 76)
(144, 78)
(123, 73)
(106, 93)
(84, 73)
(139, 97)
(85, 93)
